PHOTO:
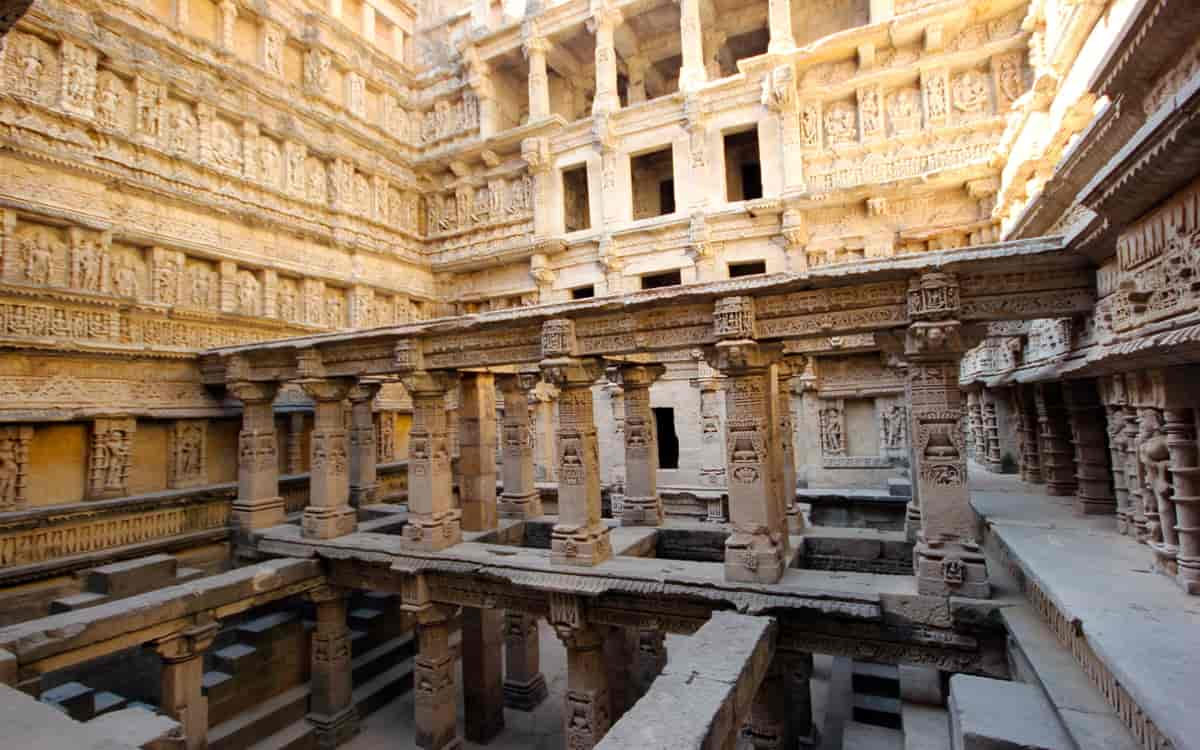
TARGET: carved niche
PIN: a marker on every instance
(832, 420)
(188, 451)
(110, 457)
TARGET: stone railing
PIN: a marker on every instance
(44, 542)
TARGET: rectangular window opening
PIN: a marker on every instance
(743, 170)
(653, 184)
(660, 280)
(576, 211)
(668, 440)
(749, 268)
(584, 292)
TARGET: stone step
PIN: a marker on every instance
(73, 698)
(987, 714)
(877, 710)
(383, 657)
(365, 618)
(860, 736)
(216, 683)
(383, 688)
(235, 658)
(82, 600)
(261, 721)
(876, 679)
(925, 727)
(297, 736)
(263, 628)
(106, 702)
(1037, 658)
(133, 576)
(187, 574)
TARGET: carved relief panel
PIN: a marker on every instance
(31, 68)
(109, 457)
(114, 102)
(14, 467)
(187, 450)
(37, 255)
(77, 89)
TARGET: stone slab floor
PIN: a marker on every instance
(392, 727)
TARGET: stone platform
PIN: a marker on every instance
(1133, 630)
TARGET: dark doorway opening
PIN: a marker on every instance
(668, 441)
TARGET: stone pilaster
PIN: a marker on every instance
(580, 537)
(433, 681)
(757, 550)
(1185, 471)
(779, 23)
(258, 504)
(328, 514)
(1133, 434)
(535, 50)
(618, 648)
(363, 448)
(712, 438)
(520, 497)
(477, 451)
(1058, 461)
(787, 442)
(643, 507)
(603, 23)
(524, 683)
(692, 73)
(331, 703)
(767, 726)
(993, 456)
(1094, 492)
(948, 558)
(483, 661)
(1027, 426)
(433, 524)
(181, 694)
(295, 443)
(975, 442)
(586, 705)
(536, 153)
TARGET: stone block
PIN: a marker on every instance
(75, 699)
(987, 714)
(77, 601)
(137, 727)
(921, 685)
(899, 487)
(925, 727)
(133, 576)
(859, 736)
(106, 702)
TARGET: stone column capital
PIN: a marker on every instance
(429, 383)
(742, 356)
(521, 382)
(187, 644)
(604, 19)
(640, 375)
(326, 389)
(325, 593)
(536, 45)
(572, 372)
(253, 392)
(364, 390)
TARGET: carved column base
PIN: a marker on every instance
(754, 557)
(586, 718)
(248, 516)
(520, 506)
(433, 533)
(642, 511)
(716, 510)
(951, 569)
(527, 695)
(363, 494)
(1165, 558)
(796, 521)
(327, 523)
(334, 730)
(579, 545)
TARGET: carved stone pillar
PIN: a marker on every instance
(586, 705)
(603, 24)
(477, 451)
(692, 73)
(1154, 462)
(643, 507)
(295, 443)
(258, 504)
(433, 524)
(712, 439)
(1094, 493)
(536, 153)
(636, 67)
(798, 670)
(1027, 421)
(1058, 461)
(757, 550)
(648, 660)
(539, 81)
(520, 498)
(331, 704)
(1132, 434)
(1185, 471)
(543, 421)
(779, 22)
(483, 663)
(948, 559)
(328, 514)
(181, 694)
(580, 537)
(433, 681)
(787, 442)
(767, 726)
(524, 683)
(992, 456)
(975, 427)
(363, 449)
(619, 648)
